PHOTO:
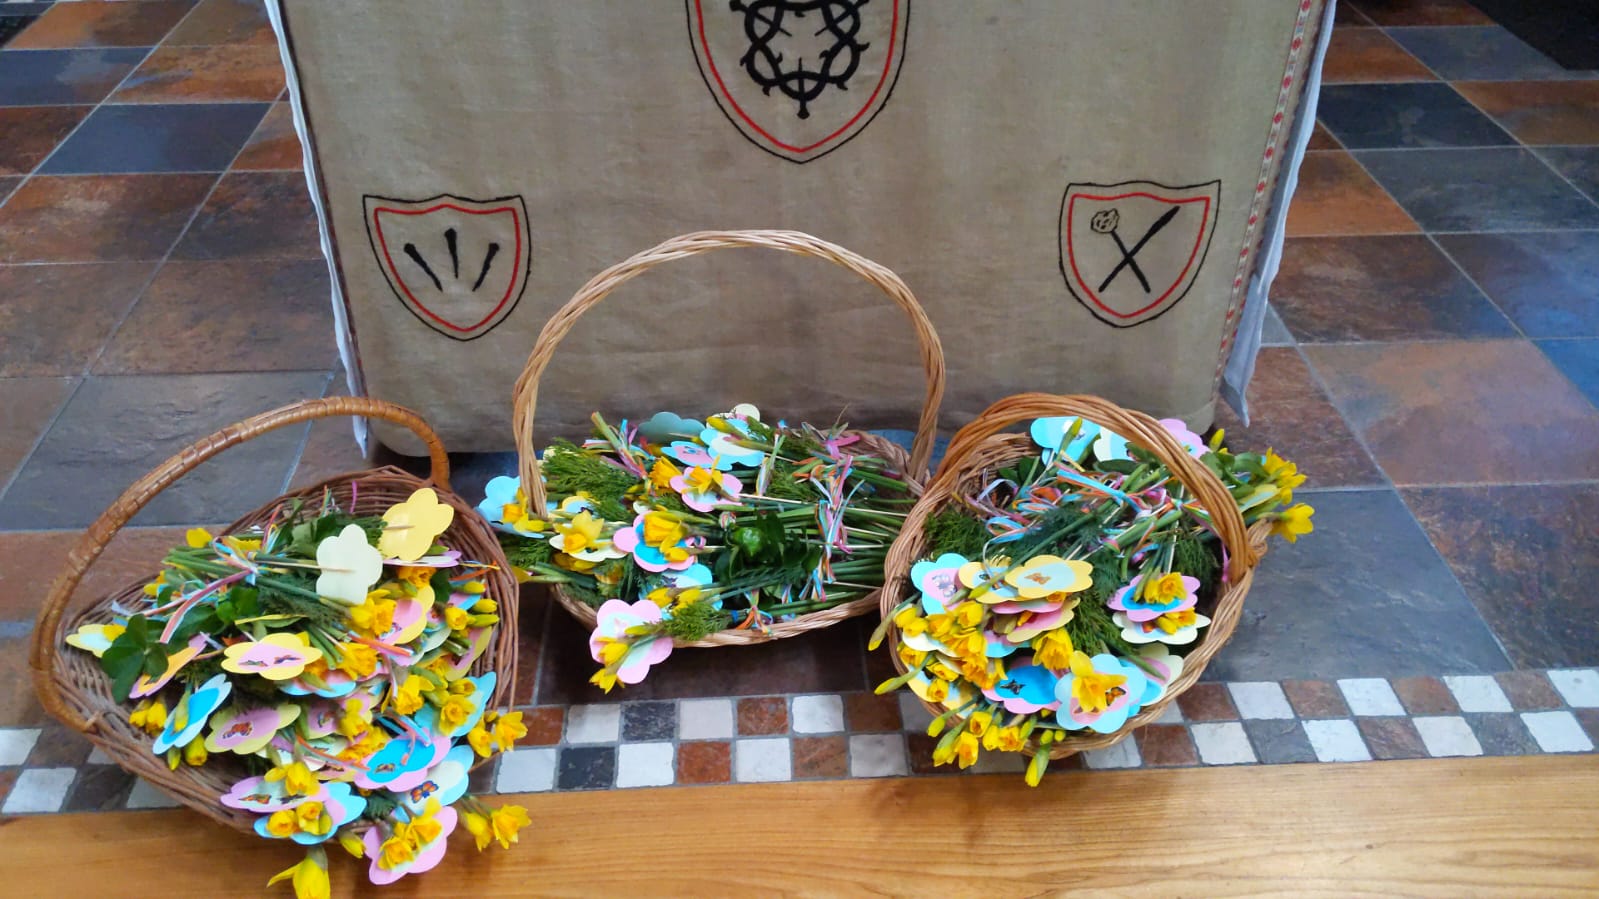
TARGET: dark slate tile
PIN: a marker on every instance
(56, 318)
(1548, 283)
(254, 215)
(1392, 738)
(1419, 12)
(1279, 742)
(63, 77)
(1502, 733)
(1367, 54)
(69, 25)
(1540, 112)
(1579, 165)
(1479, 53)
(1527, 557)
(1462, 412)
(59, 746)
(1384, 116)
(1388, 287)
(29, 133)
(27, 406)
(100, 788)
(198, 137)
(1363, 595)
(98, 218)
(586, 768)
(116, 429)
(1479, 190)
(1577, 360)
(649, 721)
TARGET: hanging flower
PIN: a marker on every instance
(1173, 628)
(414, 524)
(619, 644)
(658, 541)
(248, 732)
(1099, 693)
(1193, 443)
(1147, 599)
(350, 565)
(1294, 522)
(416, 844)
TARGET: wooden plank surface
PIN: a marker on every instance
(1469, 827)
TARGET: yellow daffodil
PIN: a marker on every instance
(1090, 688)
(281, 824)
(508, 728)
(1294, 522)
(966, 746)
(661, 596)
(506, 821)
(604, 679)
(375, 616)
(424, 828)
(662, 531)
(582, 532)
(937, 691)
(662, 473)
(408, 696)
(991, 738)
(462, 687)
(1273, 463)
(1053, 649)
(909, 623)
(1164, 589)
(944, 753)
(913, 658)
(703, 480)
(1010, 739)
(454, 713)
(297, 778)
(481, 740)
(942, 671)
(197, 537)
(354, 721)
(416, 575)
(357, 660)
(396, 850)
(612, 651)
(150, 716)
(1172, 622)
(242, 544)
(456, 618)
(979, 721)
(969, 614)
(309, 878)
(351, 841)
(976, 669)
(479, 827)
(195, 753)
(312, 818)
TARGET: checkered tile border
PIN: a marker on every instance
(836, 736)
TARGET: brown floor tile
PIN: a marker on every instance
(18, 708)
(1346, 15)
(1589, 718)
(1391, 738)
(820, 757)
(544, 725)
(1425, 696)
(1289, 413)
(27, 406)
(868, 712)
(91, 23)
(1322, 139)
(8, 779)
(94, 218)
(1316, 698)
(205, 74)
(29, 133)
(1207, 702)
(274, 144)
(1540, 112)
(100, 788)
(1460, 412)
(1388, 287)
(254, 215)
(1421, 12)
(1166, 745)
(705, 763)
(1527, 557)
(30, 561)
(9, 183)
(921, 751)
(1366, 54)
(55, 318)
(1336, 196)
(59, 747)
(761, 715)
(1528, 690)
(254, 315)
(533, 612)
(224, 22)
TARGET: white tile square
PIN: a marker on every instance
(1172, 714)
(1579, 687)
(526, 771)
(96, 757)
(912, 713)
(1260, 699)
(821, 714)
(593, 723)
(762, 760)
(878, 755)
(16, 743)
(1368, 696)
(1222, 743)
(644, 765)
(143, 795)
(1478, 693)
(705, 719)
(1557, 731)
(1337, 740)
(1121, 755)
(1447, 735)
(40, 790)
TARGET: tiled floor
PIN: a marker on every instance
(1433, 365)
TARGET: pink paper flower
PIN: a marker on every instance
(1192, 442)
(615, 618)
(428, 855)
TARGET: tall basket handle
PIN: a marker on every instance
(601, 285)
(46, 642)
(1140, 429)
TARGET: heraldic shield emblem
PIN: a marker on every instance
(1130, 251)
(799, 78)
(458, 264)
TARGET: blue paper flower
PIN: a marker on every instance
(939, 581)
(664, 427)
(201, 703)
(1049, 433)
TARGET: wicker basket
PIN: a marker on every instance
(914, 466)
(980, 448)
(71, 685)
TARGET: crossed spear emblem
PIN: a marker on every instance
(1106, 221)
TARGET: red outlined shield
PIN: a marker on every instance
(799, 78)
(458, 264)
(1130, 251)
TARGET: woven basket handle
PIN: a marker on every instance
(1140, 429)
(600, 286)
(46, 645)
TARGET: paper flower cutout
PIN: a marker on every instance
(696, 575)
(430, 718)
(478, 640)
(1039, 623)
(1169, 593)
(1099, 693)
(350, 566)
(1025, 688)
(1050, 433)
(1172, 628)
(427, 854)
(582, 536)
(1043, 576)
(248, 732)
(1161, 669)
(657, 541)
(95, 638)
(1192, 442)
(414, 524)
(402, 763)
(340, 806)
(939, 581)
(987, 585)
(950, 695)
(692, 454)
(445, 782)
(705, 489)
(505, 506)
(616, 617)
(725, 447)
(257, 794)
(189, 716)
(664, 427)
(275, 657)
(144, 686)
(1109, 447)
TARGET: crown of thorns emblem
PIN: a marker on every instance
(765, 21)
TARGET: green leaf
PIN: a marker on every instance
(123, 664)
(155, 661)
(138, 630)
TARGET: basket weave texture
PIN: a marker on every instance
(913, 467)
(73, 688)
(981, 448)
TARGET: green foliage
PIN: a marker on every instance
(306, 535)
(137, 650)
(760, 542)
(696, 621)
(1196, 557)
(525, 552)
(311, 612)
(569, 470)
(955, 531)
(1092, 629)
(784, 485)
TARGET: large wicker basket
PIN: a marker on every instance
(71, 685)
(913, 467)
(981, 447)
